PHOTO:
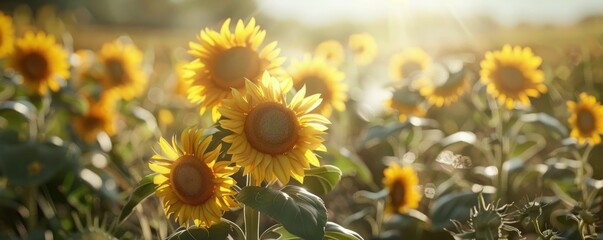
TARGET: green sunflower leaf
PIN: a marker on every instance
(143, 189)
(321, 180)
(218, 231)
(33, 163)
(299, 211)
(547, 120)
(333, 231)
(453, 206)
(349, 164)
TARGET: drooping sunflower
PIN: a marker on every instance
(321, 78)
(512, 75)
(7, 35)
(40, 61)
(406, 103)
(331, 50)
(586, 119)
(404, 64)
(445, 91)
(100, 117)
(190, 182)
(273, 139)
(364, 47)
(122, 65)
(225, 59)
(401, 183)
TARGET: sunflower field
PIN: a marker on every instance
(274, 119)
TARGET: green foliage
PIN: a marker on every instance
(299, 211)
(333, 231)
(321, 180)
(33, 163)
(218, 231)
(144, 189)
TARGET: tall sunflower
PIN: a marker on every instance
(404, 64)
(586, 119)
(320, 78)
(7, 35)
(100, 117)
(273, 139)
(122, 65)
(191, 182)
(401, 182)
(225, 59)
(364, 47)
(40, 61)
(331, 50)
(443, 92)
(406, 103)
(512, 75)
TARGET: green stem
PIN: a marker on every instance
(252, 217)
(32, 206)
(380, 215)
(580, 175)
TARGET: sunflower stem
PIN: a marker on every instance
(252, 217)
(580, 175)
(32, 206)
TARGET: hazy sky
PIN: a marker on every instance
(508, 12)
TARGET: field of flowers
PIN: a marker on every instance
(241, 131)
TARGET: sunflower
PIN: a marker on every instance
(191, 183)
(225, 59)
(364, 47)
(586, 119)
(181, 86)
(270, 138)
(100, 117)
(7, 35)
(331, 50)
(406, 103)
(407, 62)
(320, 78)
(122, 65)
(512, 75)
(40, 61)
(401, 183)
(443, 93)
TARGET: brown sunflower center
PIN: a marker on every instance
(397, 194)
(35, 66)
(116, 71)
(409, 68)
(360, 49)
(271, 128)
(586, 121)
(94, 122)
(509, 78)
(234, 65)
(192, 180)
(315, 85)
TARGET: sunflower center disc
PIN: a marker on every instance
(191, 180)
(409, 68)
(233, 66)
(586, 121)
(397, 194)
(315, 85)
(510, 78)
(35, 66)
(115, 70)
(271, 128)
